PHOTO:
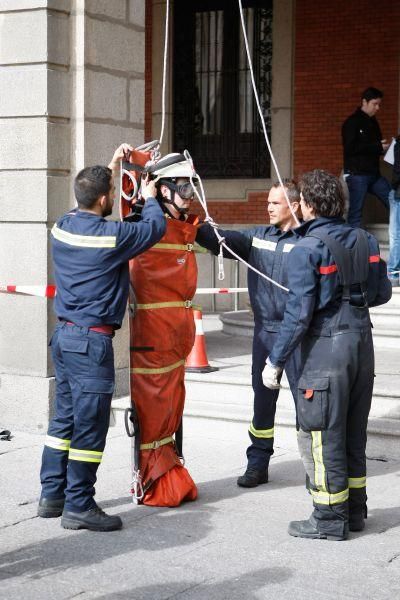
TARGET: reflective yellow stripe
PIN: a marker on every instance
(156, 444)
(57, 443)
(319, 466)
(85, 455)
(200, 249)
(145, 371)
(84, 241)
(357, 482)
(164, 246)
(261, 433)
(326, 498)
(177, 304)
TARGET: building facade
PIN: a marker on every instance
(78, 77)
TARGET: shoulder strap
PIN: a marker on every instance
(352, 263)
(340, 255)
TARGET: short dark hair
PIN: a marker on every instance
(292, 189)
(371, 93)
(91, 183)
(323, 193)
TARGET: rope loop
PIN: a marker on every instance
(137, 487)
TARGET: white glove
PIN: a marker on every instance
(271, 376)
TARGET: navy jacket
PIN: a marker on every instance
(315, 293)
(361, 136)
(90, 256)
(266, 248)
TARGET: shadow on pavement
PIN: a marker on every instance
(150, 528)
(282, 474)
(380, 520)
(238, 588)
(167, 529)
(145, 528)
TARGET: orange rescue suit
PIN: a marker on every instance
(162, 335)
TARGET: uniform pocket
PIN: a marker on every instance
(313, 403)
(70, 344)
(95, 399)
(98, 347)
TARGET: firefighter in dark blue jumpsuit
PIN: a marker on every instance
(266, 248)
(334, 274)
(90, 257)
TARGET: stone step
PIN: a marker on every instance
(385, 319)
(227, 394)
(233, 401)
(380, 231)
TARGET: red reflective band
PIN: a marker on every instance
(50, 291)
(11, 288)
(308, 394)
(333, 268)
(328, 270)
(223, 291)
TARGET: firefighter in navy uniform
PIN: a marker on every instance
(90, 257)
(334, 274)
(266, 248)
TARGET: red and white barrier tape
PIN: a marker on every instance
(49, 291)
(43, 291)
(220, 290)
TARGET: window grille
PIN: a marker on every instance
(215, 114)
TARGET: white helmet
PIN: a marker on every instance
(171, 166)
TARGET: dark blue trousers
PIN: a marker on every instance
(359, 186)
(261, 429)
(84, 369)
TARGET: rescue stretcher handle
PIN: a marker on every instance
(130, 422)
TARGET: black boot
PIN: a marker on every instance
(306, 529)
(94, 519)
(357, 519)
(253, 478)
(50, 508)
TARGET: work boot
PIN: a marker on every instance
(252, 478)
(356, 523)
(357, 519)
(49, 508)
(306, 529)
(93, 519)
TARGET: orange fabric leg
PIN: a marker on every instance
(159, 399)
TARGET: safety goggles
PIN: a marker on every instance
(184, 190)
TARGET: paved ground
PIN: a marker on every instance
(229, 544)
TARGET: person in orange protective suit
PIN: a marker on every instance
(162, 335)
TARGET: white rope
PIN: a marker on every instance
(164, 84)
(221, 240)
(136, 487)
(202, 198)
(261, 115)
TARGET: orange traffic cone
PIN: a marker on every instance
(197, 361)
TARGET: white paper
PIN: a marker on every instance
(389, 156)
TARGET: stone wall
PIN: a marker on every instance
(72, 81)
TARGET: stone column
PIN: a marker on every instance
(72, 81)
